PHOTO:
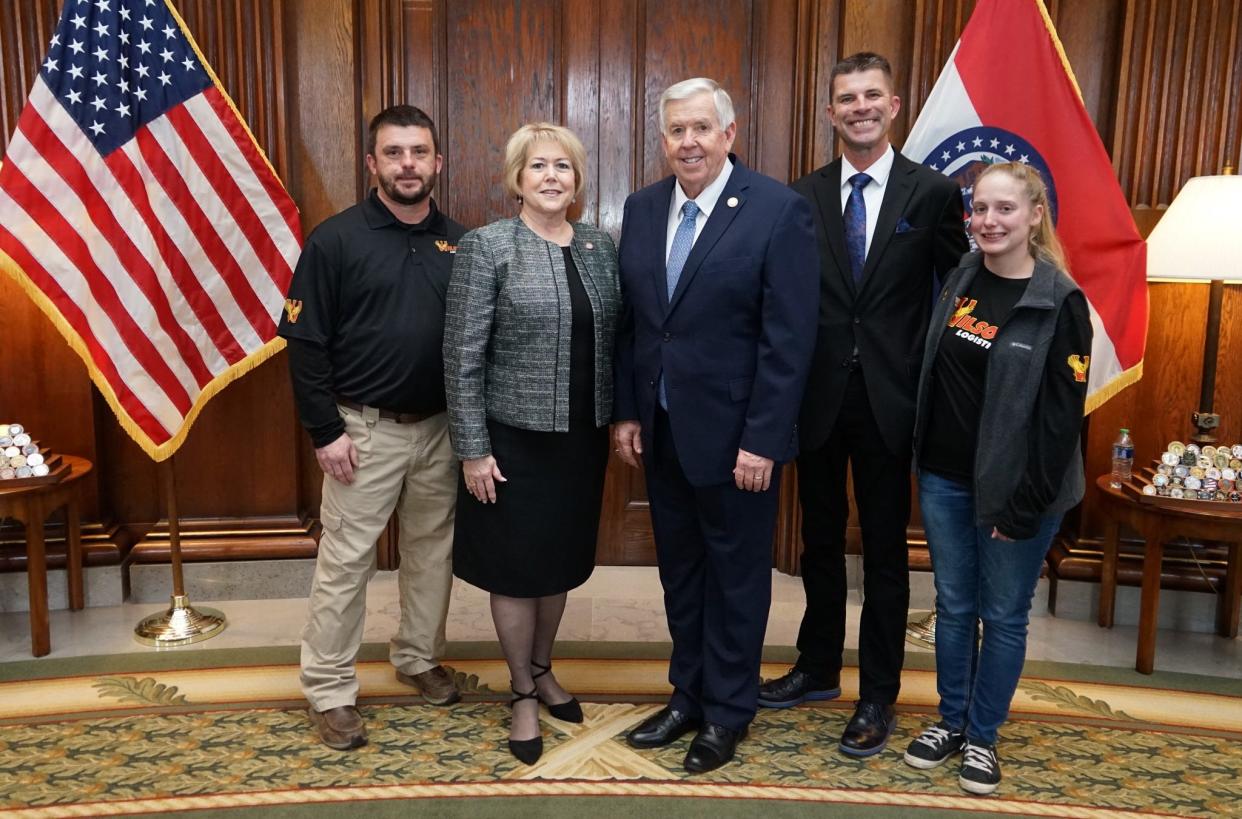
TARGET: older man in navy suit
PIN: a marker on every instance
(719, 272)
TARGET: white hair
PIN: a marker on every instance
(699, 85)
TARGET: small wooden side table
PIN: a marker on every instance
(1157, 524)
(31, 505)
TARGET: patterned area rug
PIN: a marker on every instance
(211, 733)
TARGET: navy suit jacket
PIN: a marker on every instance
(735, 341)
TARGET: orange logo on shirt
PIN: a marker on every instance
(962, 320)
(1079, 365)
(445, 247)
(293, 309)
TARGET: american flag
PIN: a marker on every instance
(138, 212)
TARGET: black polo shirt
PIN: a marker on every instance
(364, 315)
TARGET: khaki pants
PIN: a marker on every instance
(408, 463)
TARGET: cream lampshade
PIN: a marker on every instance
(1199, 238)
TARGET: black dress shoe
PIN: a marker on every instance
(795, 688)
(526, 751)
(570, 711)
(712, 747)
(869, 729)
(661, 728)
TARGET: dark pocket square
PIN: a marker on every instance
(903, 226)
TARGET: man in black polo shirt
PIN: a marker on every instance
(364, 319)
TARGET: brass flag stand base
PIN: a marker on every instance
(181, 624)
(922, 631)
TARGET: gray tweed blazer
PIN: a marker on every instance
(507, 325)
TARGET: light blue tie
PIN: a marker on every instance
(683, 240)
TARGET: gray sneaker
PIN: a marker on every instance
(980, 771)
(933, 747)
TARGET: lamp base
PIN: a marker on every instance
(180, 625)
(1207, 422)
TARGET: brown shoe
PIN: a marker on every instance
(340, 728)
(435, 684)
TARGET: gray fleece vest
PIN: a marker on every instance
(1014, 377)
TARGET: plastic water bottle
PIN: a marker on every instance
(1123, 459)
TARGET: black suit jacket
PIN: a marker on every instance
(920, 233)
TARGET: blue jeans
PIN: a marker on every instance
(978, 579)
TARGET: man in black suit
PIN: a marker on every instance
(886, 225)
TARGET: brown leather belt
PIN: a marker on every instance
(389, 415)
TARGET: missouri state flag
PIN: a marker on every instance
(1008, 95)
(140, 215)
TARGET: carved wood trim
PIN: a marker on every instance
(1180, 96)
(401, 47)
(24, 38)
(1184, 568)
(938, 26)
(101, 545)
(787, 542)
(251, 538)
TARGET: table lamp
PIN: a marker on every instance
(1199, 238)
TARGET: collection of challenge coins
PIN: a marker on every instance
(1212, 473)
(19, 456)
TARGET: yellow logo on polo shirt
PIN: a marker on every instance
(1079, 365)
(293, 309)
(445, 247)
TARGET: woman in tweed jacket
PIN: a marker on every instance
(528, 342)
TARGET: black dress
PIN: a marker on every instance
(538, 538)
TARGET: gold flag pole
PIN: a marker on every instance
(181, 624)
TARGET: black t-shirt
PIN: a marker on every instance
(365, 314)
(959, 372)
(581, 348)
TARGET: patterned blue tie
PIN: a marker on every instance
(683, 240)
(856, 225)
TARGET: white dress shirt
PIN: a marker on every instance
(706, 201)
(873, 194)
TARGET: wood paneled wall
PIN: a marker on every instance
(1162, 82)
(1181, 78)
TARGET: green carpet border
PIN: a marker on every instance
(197, 657)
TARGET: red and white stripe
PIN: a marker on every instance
(169, 259)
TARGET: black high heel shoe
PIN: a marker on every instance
(568, 711)
(527, 751)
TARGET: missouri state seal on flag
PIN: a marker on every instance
(1007, 94)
